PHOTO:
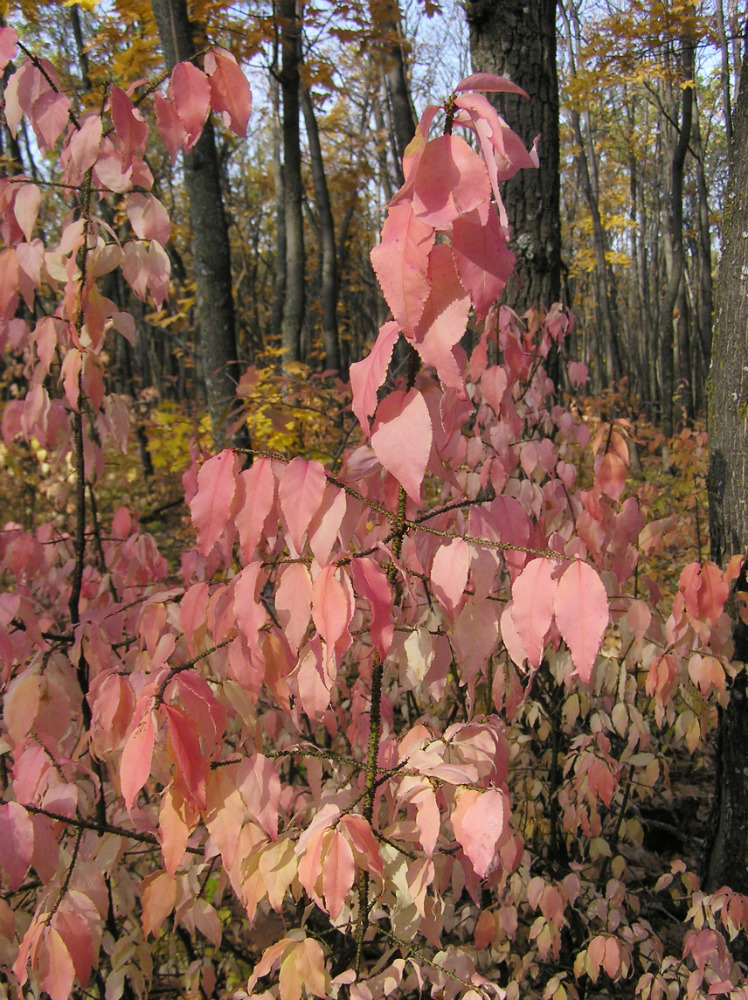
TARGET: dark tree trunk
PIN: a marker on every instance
(294, 300)
(727, 854)
(279, 283)
(517, 39)
(669, 312)
(214, 303)
(329, 289)
(386, 20)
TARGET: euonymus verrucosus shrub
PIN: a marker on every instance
(369, 744)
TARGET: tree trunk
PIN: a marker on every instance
(295, 297)
(727, 854)
(214, 303)
(329, 289)
(669, 316)
(386, 21)
(517, 39)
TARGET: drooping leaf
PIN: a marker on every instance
(533, 595)
(478, 820)
(581, 610)
(401, 263)
(368, 375)
(401, 438)
(211, 506)
(300, 492)
(451, 181)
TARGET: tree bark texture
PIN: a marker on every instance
(294, 301)
(386, 23)
(517, 39)
(329, 282)
(214, 303)
(727, 856)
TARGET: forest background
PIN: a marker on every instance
(229, 768)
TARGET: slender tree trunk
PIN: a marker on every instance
(279, 285)
(677, 165)
(386, 19)
(329, 289)
(214, 303)
(517, 38)
(295, 298)
(727, 853)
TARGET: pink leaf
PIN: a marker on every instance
(532, 606)
(16, 842)
(293, 603)
(371, 583)
(26, 208)
(449, 573)
(402, 437)
(135, 765)
(482, 258)
(49, 116)
(490, 83)
(478, 820)
(148, 218)
(211, 506)
(338, 872)
(364, 843)
(611, 476)
(158, 895)
(55, 965)
(86, 142)
(8, 46)
(331, 608)
(581, 608)
(189, 89)
(368, 375)
(260, 787)
(444, 320)
(229, 90)
(169, 125)
(191, 765)
(300, 493)
(255, 496)
(401, 264)
(129, 124)
(451, 180)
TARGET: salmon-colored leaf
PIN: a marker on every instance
(402, 437)
(581, 609)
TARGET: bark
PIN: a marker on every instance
(607, 317)
(517, 39)
(387, 23)
(214, 303)
(329, 269)
(727, 854)
(295, 298)
(669, 313)
(279, 284)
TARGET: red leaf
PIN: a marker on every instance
(169, 125)
(55, 965)
(189, 89)
(148, 218)
(490, 83)
(293, 603)
(449, 573)
(451, 180)
(129, 124)
(16, 842)
(483, 260)
(300, 493)
(401, 438)
(478, 820)
(371, 583)
(368, 375)
(338, 872)
(135, 765)
(401, 263)
(443, 320)
(260, 787)
(229, 90)
(331, 608)
(192, 767)
(532, 606)
(8, 46)
(581, 608)
(211, 506)
(611, 476)
(255, 496)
